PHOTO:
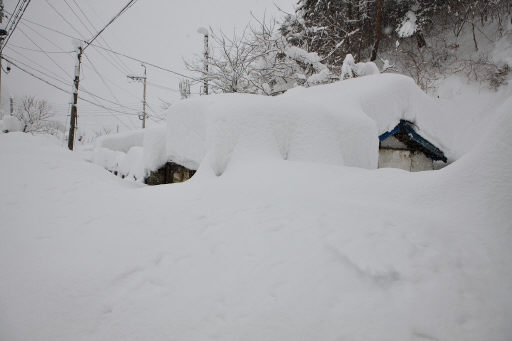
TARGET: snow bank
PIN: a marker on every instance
(121, 142)
(271, 251)
(337, 123)
(351, 69)
(10, 124)
(467, 112)
(132, 154)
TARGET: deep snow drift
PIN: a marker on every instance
(273, 250)
(335, 124)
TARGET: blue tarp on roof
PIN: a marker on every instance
(404, 132)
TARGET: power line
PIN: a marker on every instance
(101, 77)
(49, 28)
(65, 91)
(126, 69)
(117, 53)
(42, 36)
(34, 50)
(24, 56)
(14, 11)
(85, 15)
(37, 70)
(47, 55)
(162, 86)
(108, 101)
(129, 4)
(16, 21)
(62, 17)
(78, 17)
(148, 63)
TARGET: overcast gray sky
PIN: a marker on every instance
(163, 32)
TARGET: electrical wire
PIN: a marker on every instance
(48, 28)
(114, 57)
(61, 89)
(47, 55)
(37, 70)
(53, 75)
(14, 11)
(92, 32)
(117, 53)
(34, 50)
(148, 63)
(108, 101)
(162, 86)
(62, 17)
(78, 17)
(101, 77)
(42, 36)
(18, 19)
(128, 5)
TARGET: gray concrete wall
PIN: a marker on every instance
(404, 159)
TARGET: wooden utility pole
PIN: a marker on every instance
(144, 100)
(142, 79)
(74, 114)
(1, 46)
(204, 32)
(80, 51)
(206, 64)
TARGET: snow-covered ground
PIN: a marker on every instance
(272, 249)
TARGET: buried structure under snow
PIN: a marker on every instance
(169, 173)
(404, 148)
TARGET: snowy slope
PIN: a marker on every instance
(270, 250)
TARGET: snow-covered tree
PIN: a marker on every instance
(333, 28)
(36, 116)
(258, 60)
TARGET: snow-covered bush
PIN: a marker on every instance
(10, 124)
(132, 154)
(36, 116)
(351, 69)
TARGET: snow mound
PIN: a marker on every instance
(351, 69)
(121, 142)
(10, 124)
(336, 124)
(132, 154)
(226, 127)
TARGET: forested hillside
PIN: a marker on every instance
(426, 40)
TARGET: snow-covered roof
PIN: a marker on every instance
(406, 133)
(337, 123)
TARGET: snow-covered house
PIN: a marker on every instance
(404, 148)
(335, 124)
